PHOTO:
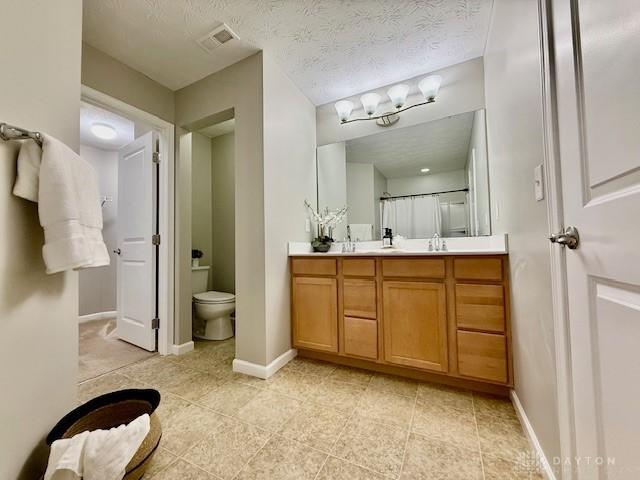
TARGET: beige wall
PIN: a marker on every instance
(39, 90)
(379, 188)
(515, 141)
(360, 193)
(97, 291)
(462, 91)
(107, 75)
(332, 182)
(223, 252)
(238, 87)
(274, 172)
(435, 182)
(201, 199)
(478, 147)
(289, 178)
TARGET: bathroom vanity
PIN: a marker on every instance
(438, 316)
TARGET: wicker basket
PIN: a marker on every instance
(109, 411)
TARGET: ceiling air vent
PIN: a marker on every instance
(216, 37)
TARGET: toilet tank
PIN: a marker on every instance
(199, 279)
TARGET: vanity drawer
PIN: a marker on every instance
(313, 266)
(413, 267)
(361, 337)
(359, 267)
(482, 356)
(480, 307)
(478, 268)
(359, 298)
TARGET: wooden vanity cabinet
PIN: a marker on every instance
(415, 324)
(437, 318)
(359, 319)
(315, 313)
(481, 316)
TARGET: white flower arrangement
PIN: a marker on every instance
(326, 220)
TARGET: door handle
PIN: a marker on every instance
(569, 238)
(117, 251)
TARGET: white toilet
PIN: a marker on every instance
(211, 310)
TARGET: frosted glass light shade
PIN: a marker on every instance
(429, 86)
(344, 108)
(398, 95)
(370, 102)
(104, 131)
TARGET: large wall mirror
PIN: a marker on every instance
(419, 180)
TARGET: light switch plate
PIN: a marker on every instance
(538, 183)
(307, 225)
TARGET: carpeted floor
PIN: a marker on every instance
(101, 351)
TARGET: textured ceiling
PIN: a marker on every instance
(441, 146)
(330, 48)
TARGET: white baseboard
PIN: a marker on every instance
(96, 316)
(262, 371)
(531, 435)
(182, 348)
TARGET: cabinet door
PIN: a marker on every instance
(315, 313)
(415, 324)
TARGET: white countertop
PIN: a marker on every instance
(488, 245)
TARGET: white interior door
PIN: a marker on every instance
(137, 207)
(597, 48)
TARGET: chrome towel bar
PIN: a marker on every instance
(9, 132)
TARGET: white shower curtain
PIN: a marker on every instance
(412, 217)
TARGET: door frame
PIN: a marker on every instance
(166, 208)
(555, 211)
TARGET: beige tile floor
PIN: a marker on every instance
(317, 421)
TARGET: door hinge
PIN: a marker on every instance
(156, 157)
(155, 323)
(155, 239)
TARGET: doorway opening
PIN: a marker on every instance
(213, 231)
(124, 312)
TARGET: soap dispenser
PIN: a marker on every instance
(387, 239)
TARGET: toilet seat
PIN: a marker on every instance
(212, 297)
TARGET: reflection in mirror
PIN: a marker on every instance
(419, 180)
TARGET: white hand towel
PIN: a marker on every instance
(29, 159)
(97, 455)
(68, 204)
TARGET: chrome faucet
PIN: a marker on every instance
(348, 246)
(434, 243)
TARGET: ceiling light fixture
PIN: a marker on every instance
(429, 86)
(103, 131)
(424, 170)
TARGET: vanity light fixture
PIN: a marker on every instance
(103, 131)
(398, 95)
(370, 103)
(344, 109)
(424, 170)
(429, 86)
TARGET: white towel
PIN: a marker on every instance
(361, 231)
(97, 455)
(66, 189)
